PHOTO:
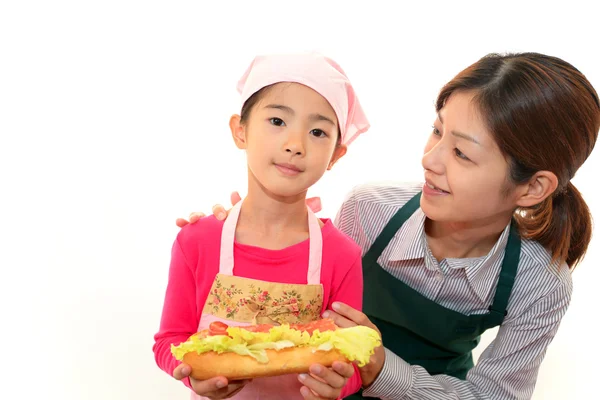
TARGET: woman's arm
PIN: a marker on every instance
(350, 291)
(507, 369)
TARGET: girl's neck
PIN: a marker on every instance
(464, 240)
(270, 221)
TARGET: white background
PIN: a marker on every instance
(113, 122)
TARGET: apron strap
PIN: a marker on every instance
(508, 270)
(506, 279)
(226, 263)
(228, 240)
(313, 277)
(392, 227)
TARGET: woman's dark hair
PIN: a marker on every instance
(545, 116)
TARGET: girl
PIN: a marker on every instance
(272, 261)
(489, 239)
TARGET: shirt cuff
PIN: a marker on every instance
(394, 380)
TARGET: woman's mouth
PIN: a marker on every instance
(430, 188)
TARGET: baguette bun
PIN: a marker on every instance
(293, 360)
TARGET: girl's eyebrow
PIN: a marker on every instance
(289, 110)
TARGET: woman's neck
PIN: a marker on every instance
(464, 240)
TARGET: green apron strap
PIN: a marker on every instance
(392, 228)
(506, 279)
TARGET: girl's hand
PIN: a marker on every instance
(325, 383)
(215, 388)
(220, 213)
(345, 316)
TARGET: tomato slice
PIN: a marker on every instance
(220, 328)
(322, 325)
(258, 328)
(217, 328)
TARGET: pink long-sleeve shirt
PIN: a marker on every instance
(195, 263)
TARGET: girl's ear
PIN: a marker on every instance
(339, 152)
(238, 131)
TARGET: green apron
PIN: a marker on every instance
(419, 330)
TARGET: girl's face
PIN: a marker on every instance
(290, 139)
(466, 174)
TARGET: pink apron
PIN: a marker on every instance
(239, 301)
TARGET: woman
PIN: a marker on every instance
(489, 239)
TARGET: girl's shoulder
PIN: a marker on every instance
(205, 229)
(336, 241)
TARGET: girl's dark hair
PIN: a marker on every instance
(251, 102)
(545, 116)
(254, 99)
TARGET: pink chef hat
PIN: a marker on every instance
(319, 73)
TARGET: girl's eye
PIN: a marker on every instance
(436, 131)
(277, 122)
(460, 154)
(318, 133)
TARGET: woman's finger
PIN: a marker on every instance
(309, 394)
(181, 222)
(219, 212)
(235, 198)
(326, 382)
(195, 216)
(340, 321)
(344, 369)
(352, 314)
(331, 377)
(314, 203)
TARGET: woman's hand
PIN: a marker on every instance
(345, 316)
(214, 388)
(325, 383)
(220, 213)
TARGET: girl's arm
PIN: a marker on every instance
(179, 316)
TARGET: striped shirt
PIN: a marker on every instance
(508, 367)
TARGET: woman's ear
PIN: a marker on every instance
(339, 152)
(238, 131)
(541, 185)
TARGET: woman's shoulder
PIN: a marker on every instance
(538, 269)
(385, 193)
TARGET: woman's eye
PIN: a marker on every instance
(436, 131)
(460, 154)
(277, 121)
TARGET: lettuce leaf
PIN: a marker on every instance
(356, 343)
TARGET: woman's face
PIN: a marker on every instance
(465, 172)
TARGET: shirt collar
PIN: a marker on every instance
(410, 243)
(482, 272)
